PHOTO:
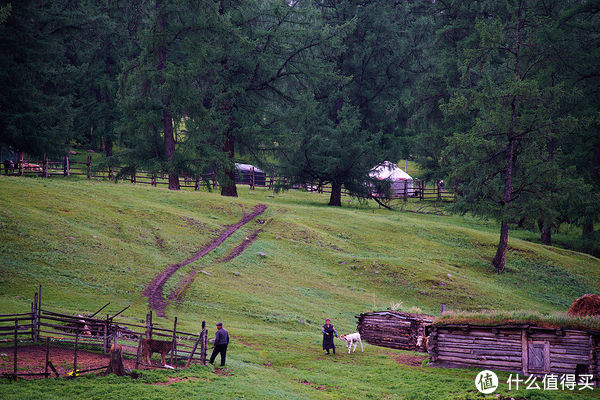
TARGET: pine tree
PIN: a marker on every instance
(162, 87)
(359, 110)
(499, 163)
(36, 102)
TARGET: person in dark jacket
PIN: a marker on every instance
(328, 333)
(220, 345)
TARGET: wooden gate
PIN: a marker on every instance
(538, 357)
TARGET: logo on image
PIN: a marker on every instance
(486, 382)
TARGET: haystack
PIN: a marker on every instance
(588, 304)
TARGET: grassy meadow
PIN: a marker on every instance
(93, 242)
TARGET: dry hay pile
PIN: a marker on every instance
(588, 304)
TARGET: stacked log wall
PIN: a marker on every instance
(496, 349)
(393, 329)
(508, 348)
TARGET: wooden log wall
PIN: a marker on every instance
(476, 347)
(529, 350)
(395, 330)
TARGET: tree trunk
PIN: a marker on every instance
(116, 362)
(588, 226)
(500, 258)
(170, 149)
(336, 194)
(166, 115)
(546, 235)
(228, 187)
(108, 145)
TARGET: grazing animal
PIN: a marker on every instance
(150, 346)
(588, 304)
(353, 338)
(422, 341)
(85, 329)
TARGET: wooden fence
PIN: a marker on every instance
(67, 167)
(42, 326)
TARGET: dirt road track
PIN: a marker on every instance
(154, 291)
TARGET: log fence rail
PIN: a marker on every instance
(67, 167)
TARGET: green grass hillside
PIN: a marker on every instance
(93, 242)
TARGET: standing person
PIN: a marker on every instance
(220, 345)
(328, 333)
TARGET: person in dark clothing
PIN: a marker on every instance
(328, 333)
(220, 345)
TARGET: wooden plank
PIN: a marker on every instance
(16, 347)
(174, 340)
(524, 352)
(15, 315)
(442, 353)
(492, 363)
(47, 357)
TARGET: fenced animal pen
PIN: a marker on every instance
(42, 343)
(393, 329)
(523, 348)
(246, 175)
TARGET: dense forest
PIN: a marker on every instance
(499, 98)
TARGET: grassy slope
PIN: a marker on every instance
(93, 242)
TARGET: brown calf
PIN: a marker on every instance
(150, 346)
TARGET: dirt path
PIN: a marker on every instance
(154, 291)
(240, 248)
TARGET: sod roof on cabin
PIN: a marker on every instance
(518, 318)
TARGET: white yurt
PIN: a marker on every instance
(387, 170)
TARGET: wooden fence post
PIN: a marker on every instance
(405, 190)
(110, 173)
(149, 325)
(252, 180)
(106, 334)
(39, 312)
(89, 167)
(45, 166)
(139, 349)
(203, 344)
(16, 348)
(36, 335)
(439, 192)
(174, 342)
(197, 184)
(199, 340)
(75, 355)
(47, 357)
(21, 164)
(116, 359)
(66, 166)
(133, 175)
(422, 190)
(32, 324)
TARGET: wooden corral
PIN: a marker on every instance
(42, 326)
(393, 329)
(526, 349)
